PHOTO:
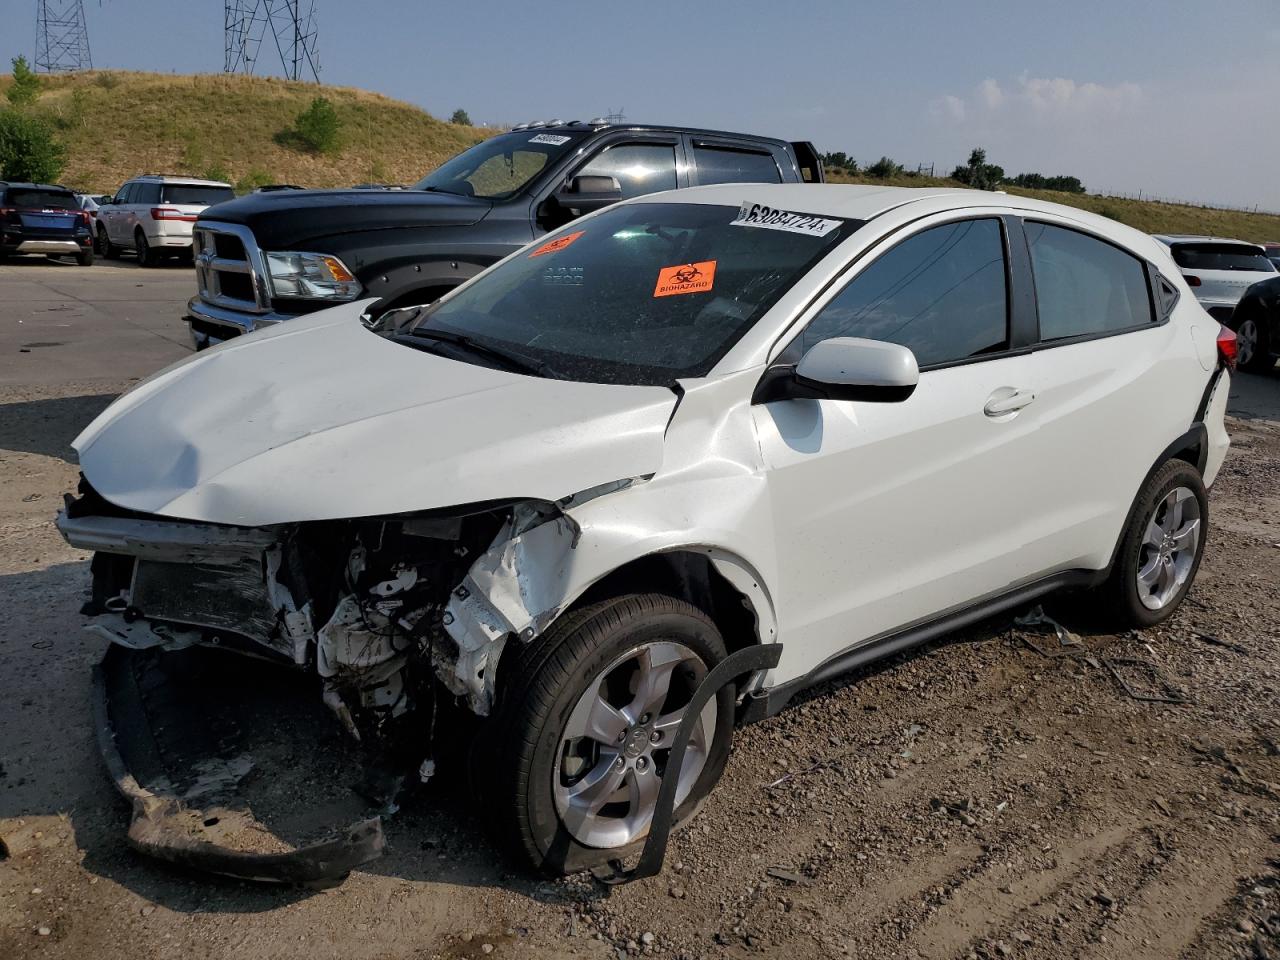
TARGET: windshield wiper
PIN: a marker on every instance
(508, 359)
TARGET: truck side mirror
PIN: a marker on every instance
(587, 193)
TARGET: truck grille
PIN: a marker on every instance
(229, 267)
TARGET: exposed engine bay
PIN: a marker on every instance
(379, 609)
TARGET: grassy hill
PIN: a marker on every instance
(117, 124)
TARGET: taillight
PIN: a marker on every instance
(1191, 281)
(1227, 347)
(169, 213)
(88, 220)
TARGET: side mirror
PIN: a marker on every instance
(844, 368)
(587, 193)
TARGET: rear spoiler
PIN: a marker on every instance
(809, 161)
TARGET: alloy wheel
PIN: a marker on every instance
(615, 744)
(1169, 548)
(1246, 342)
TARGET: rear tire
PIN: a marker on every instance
(147, 256)
(1160, 550)
(85, 257)
(536, 772)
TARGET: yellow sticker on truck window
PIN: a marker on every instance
(686, 278)
(559, 243)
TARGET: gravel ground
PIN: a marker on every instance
(974, 799)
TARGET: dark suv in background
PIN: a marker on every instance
(44, 218)
(268, 257)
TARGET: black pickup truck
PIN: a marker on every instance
(271, 256)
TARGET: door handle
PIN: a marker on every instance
(1007, 400)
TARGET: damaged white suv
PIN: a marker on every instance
(800, 425)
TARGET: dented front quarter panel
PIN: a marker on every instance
(709, 497)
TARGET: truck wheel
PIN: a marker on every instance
(105, 246)
(1161, 548)
(575, 754)
(146, 256)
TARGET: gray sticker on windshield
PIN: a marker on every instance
(770, 218)
(549, 138)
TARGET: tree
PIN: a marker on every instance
(840, 161)
(884, 168)
(977, 173)
(26, 85)
(318, 126)
(1038, 181)
(460, 116)
(28, 150)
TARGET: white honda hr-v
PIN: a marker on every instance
(663, 469)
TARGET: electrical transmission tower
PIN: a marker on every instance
(62, 39)
(291, 26)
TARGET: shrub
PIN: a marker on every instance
(28, 149)
(26, 85)
(216, 171)
(460, 116)
(252, 180)
(318, 127)
(884, 168)
(977, 173)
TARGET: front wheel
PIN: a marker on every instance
(576, 753)
(1161, 548)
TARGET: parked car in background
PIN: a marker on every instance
(1273, 253)
(1217, 270)
(269, 257)
(801, 426)
(1256, 321)
(44, 218)
(89, 202)
(273, 187)
(152, 215)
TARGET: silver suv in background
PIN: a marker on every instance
(1218, 271)
(153, 214)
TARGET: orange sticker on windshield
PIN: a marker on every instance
(559, 243)
(687, 278)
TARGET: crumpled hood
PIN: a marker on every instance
(318, 418)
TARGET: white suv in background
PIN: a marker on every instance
(1219, 271)
(153, 215)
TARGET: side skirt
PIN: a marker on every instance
(766, 703)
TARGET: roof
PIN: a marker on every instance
(580, 126)
(1171, 238)
(22, 185)
(177, 178)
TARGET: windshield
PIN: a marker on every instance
(1221, 256)
(642, 294)
(42, 199)
(195, 194)
(500, 167)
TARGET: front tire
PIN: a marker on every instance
(105, 247)
(1161, 548)
(573, 758)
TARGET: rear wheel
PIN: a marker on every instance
(146, 255)
(1253, 351)
(85, 257)
(1161, 548)
(575, 755)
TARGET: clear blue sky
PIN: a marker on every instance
(1164, 96)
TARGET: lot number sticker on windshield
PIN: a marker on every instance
(549, 138)
(685, 278)
(559, 243)
(769, 218)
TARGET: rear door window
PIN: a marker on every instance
(1220, 256)
(639, 168)
(1085, 286)
(145, 193)
(942, 293)
(723, 165)
(195, 194)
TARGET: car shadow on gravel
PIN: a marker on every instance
(47, 427)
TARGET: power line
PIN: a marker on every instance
(62, 39)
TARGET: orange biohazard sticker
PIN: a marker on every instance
(686, 278)
(559, 243)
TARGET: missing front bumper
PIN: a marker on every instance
(189, 773)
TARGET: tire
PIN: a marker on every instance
(1147, 583)
(85, 257)
(105, 247)
(146, 255)
(534, 775)
(1254, 345)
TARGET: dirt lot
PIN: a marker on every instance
(973, 799)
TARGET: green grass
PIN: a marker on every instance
(1144, 215)
(118, 124)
